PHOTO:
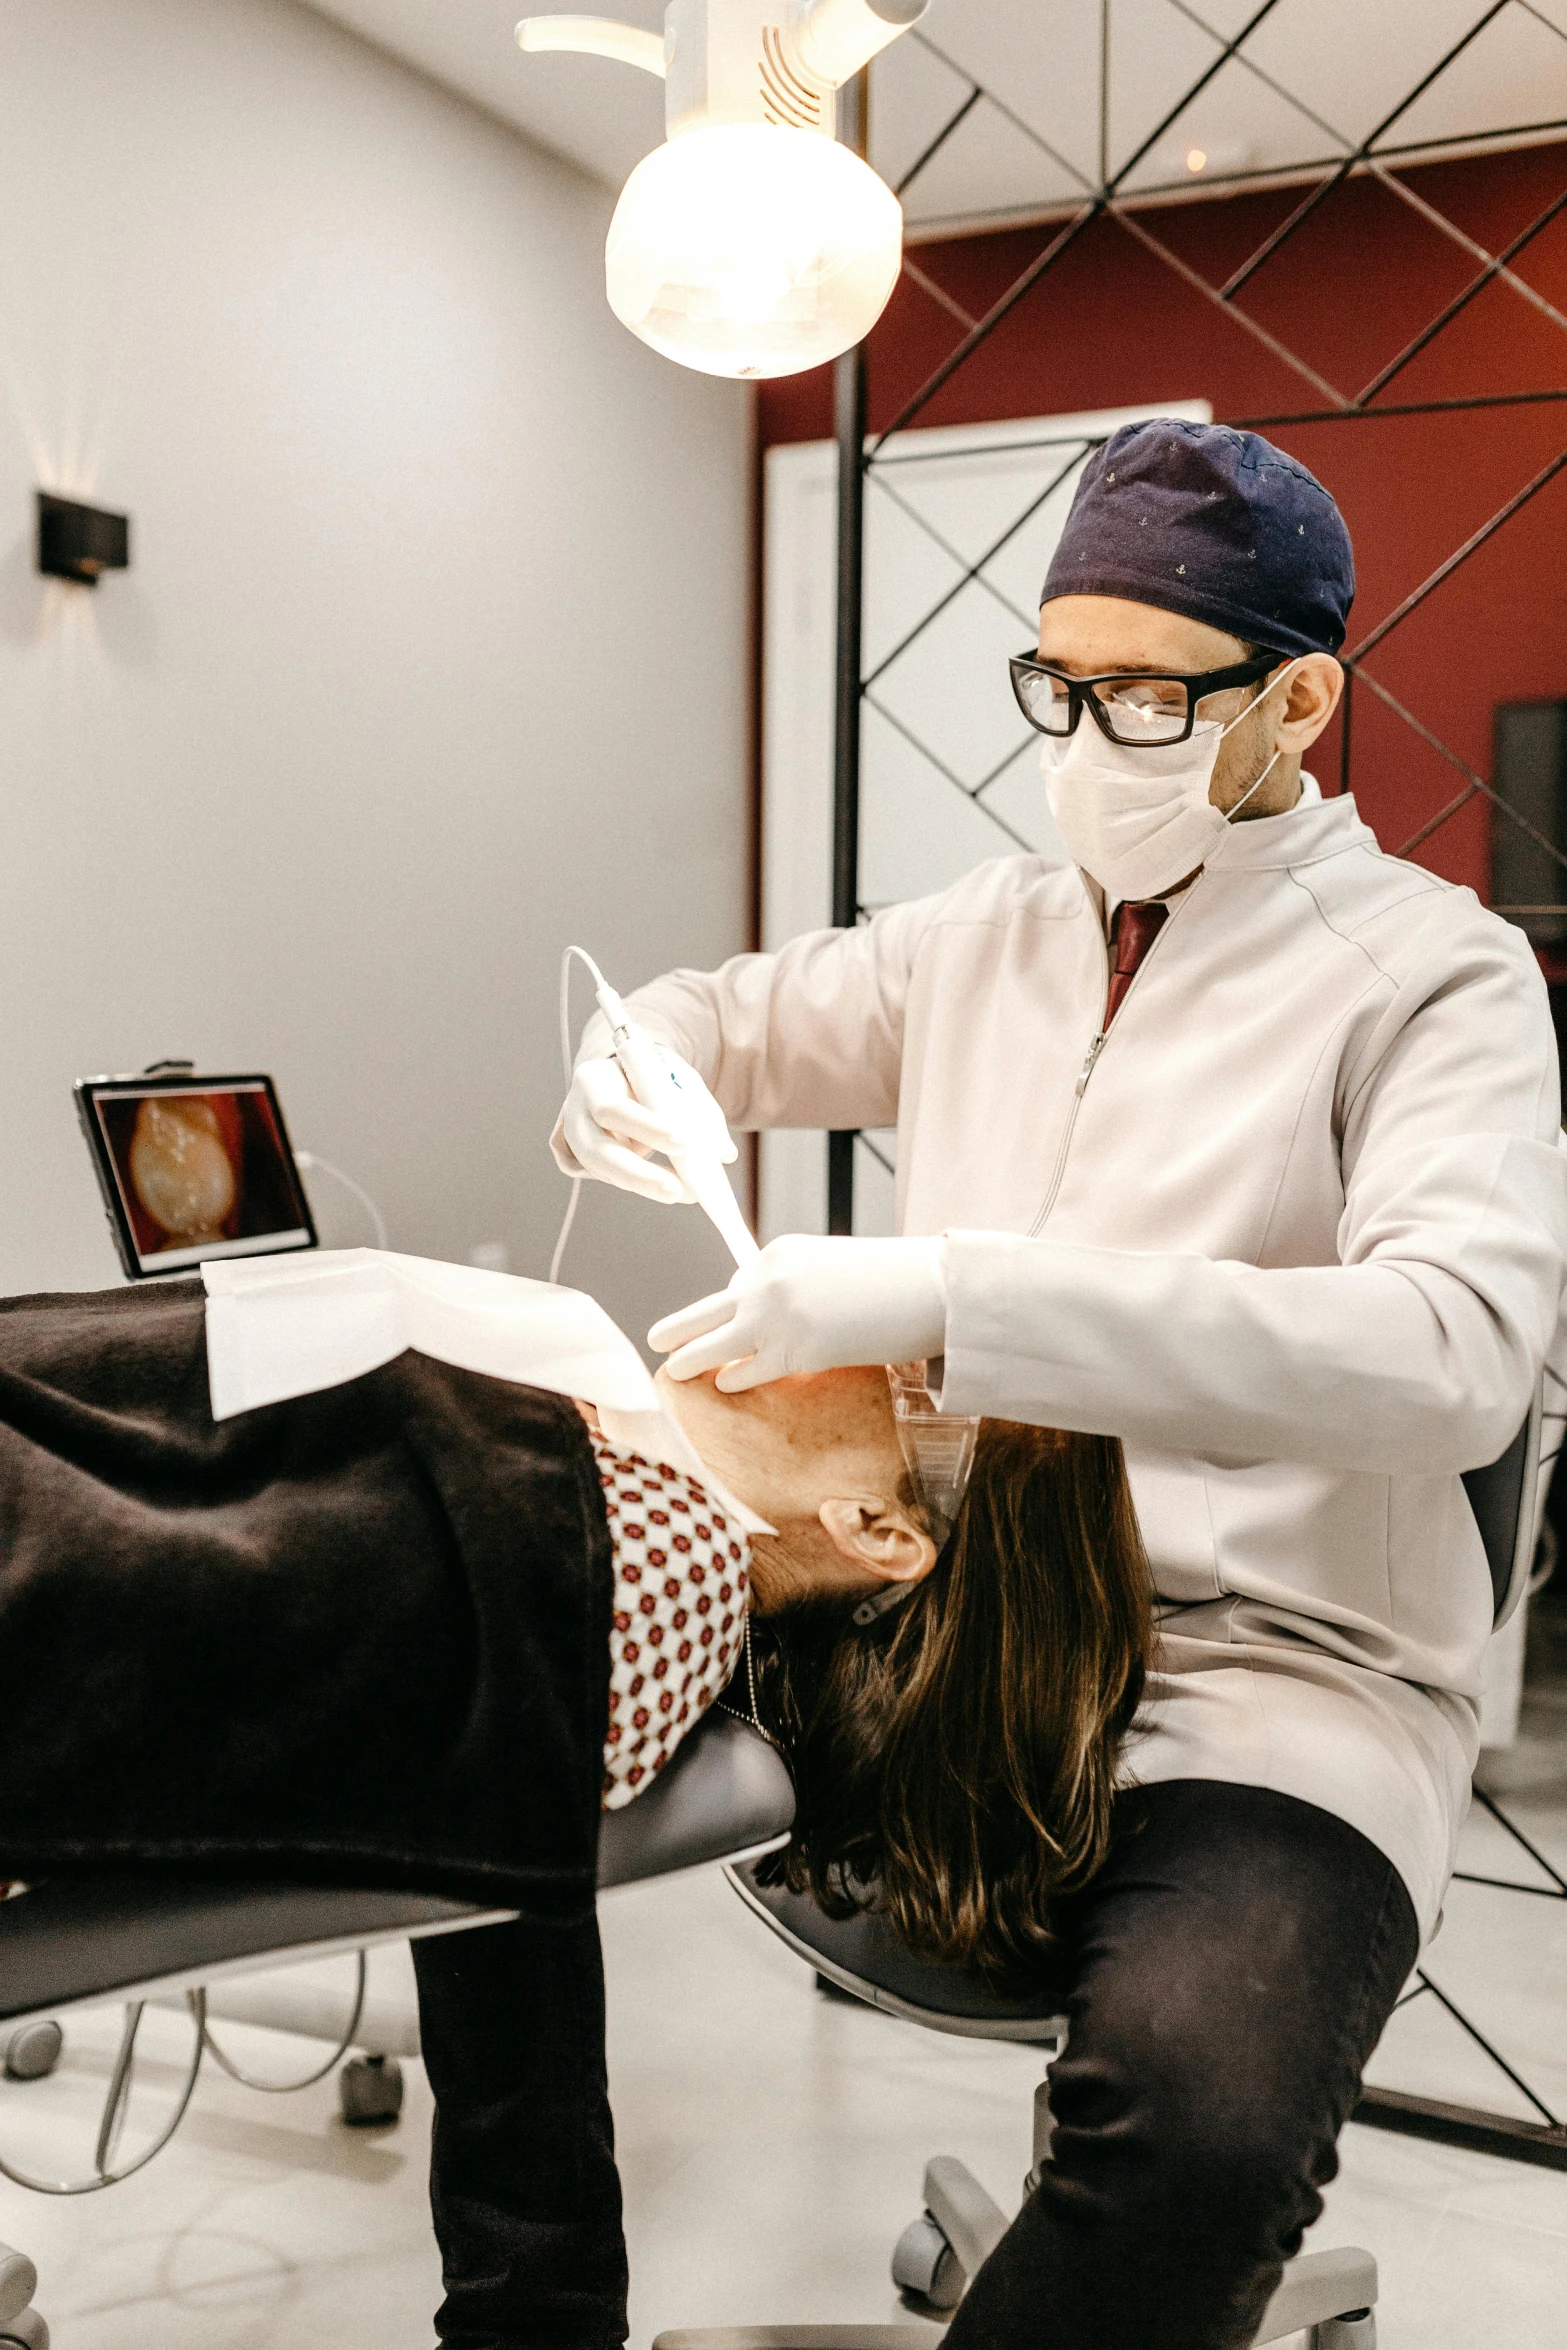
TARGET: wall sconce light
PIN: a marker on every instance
(79, 542)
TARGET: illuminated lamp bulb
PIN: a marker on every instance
(744, 249)
(1196, 158)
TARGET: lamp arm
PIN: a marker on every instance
(833, 39)
(595, 36)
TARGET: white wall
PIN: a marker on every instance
(434, 650)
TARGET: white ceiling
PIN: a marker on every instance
(1037, 61)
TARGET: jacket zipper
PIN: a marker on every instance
(1083, 1075)
(1087, 1070)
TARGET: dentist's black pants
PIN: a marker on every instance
(1227, 1976)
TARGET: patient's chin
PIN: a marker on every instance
(792, 1427)
(698, 1400)
(680, 1397)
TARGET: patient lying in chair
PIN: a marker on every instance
(413, 1628)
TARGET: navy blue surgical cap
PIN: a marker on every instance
(1216, 524)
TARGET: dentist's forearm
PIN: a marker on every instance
(1389, 1369)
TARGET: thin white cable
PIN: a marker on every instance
(236, 2072)
(310, 1163)
(570, 1216)
(567, 1222)
(1544, 1559)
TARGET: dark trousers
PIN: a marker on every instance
(1227, 1976)
(523, 2186)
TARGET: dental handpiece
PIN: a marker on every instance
(658, 1088)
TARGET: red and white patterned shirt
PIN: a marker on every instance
(682, 1569)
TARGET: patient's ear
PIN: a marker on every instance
(880, 1537)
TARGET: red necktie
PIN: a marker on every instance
(1137, 925)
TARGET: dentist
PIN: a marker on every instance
(1237, 1140)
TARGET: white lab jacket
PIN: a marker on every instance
(1299, 1239)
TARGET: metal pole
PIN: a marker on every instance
(850, 418)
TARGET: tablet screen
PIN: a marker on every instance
(194, 1167)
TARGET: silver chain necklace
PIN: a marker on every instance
(753, 1720)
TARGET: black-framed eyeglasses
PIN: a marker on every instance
(1132, 706)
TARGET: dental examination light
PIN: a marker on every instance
(751, 243)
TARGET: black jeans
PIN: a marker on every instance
(1227, 1976)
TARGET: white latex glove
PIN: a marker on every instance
(604, 1132)
(809, 1305)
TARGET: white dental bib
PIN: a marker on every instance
(286, 1326)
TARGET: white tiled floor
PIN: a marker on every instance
(772, 2143)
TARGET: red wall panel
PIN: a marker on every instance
(1112, 324)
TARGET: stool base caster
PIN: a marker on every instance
(370, 2091)
(32, 2053)
(21, 2327)
(925, 2267)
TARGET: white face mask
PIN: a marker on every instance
(1139, 820)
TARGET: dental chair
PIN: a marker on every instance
(153, 1940)
(1330, 2296)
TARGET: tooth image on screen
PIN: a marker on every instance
(193, 1169)
(181, 1170)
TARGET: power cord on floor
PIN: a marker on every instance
(236, 2071)
(116, 2101)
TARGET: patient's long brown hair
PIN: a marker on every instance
(954, 1761)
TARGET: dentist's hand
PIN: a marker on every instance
(811, 1305)
(604, 1132)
